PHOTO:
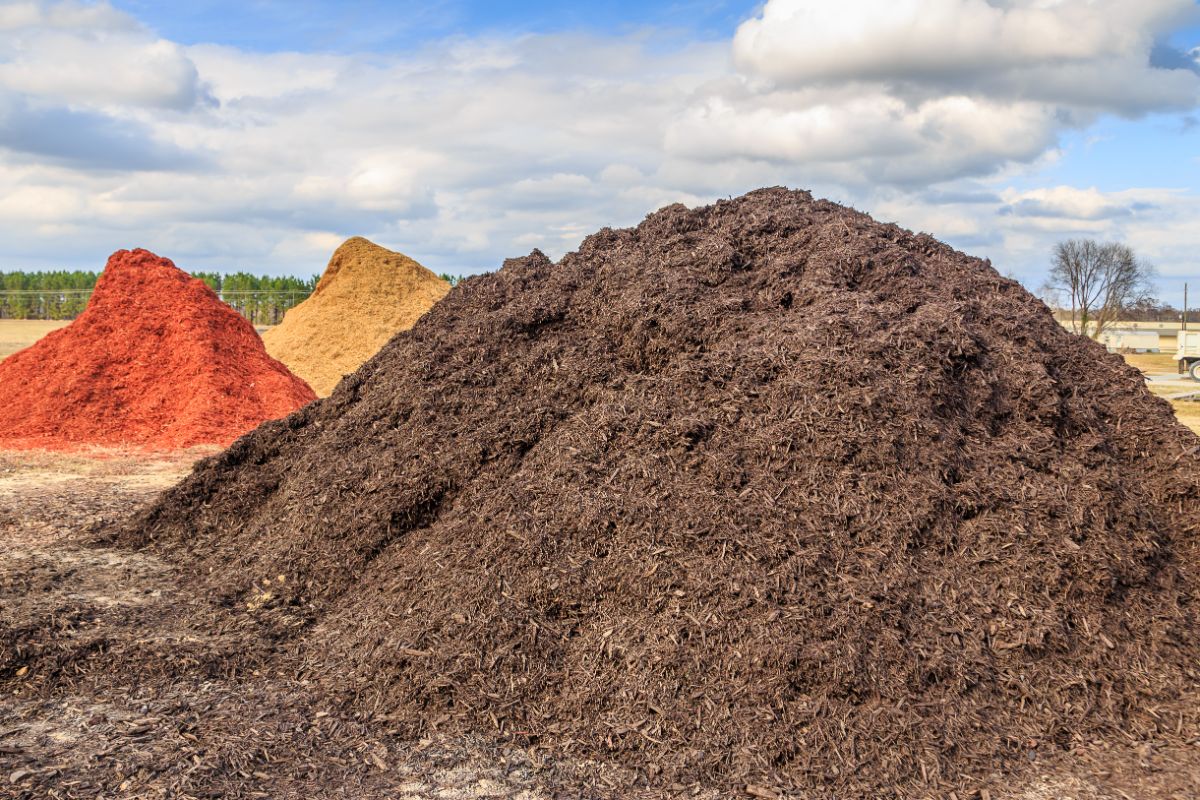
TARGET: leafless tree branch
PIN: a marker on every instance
(1098, 280)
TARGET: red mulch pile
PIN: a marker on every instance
(156, 361)
(760, 493)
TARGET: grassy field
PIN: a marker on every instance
(17, 334)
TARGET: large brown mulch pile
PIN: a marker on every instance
(764, 493)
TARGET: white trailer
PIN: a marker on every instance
(1187, 354)
(1129, 340)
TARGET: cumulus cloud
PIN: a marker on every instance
(91, 55)
(870, 137)
(1018, 227)
(462, 153)
(86, 139)
(77, 82)
(951, 43)
(920, 91)
(1074, 204)
(467, 150)
(36, 15)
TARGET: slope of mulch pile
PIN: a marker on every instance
(366, 296)
(764, 493)
(156, 361)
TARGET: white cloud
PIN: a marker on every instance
(41, 204)
(952, 43)
(313, 249)
(465, 151)
(21, 16)
(869, 137)
(919, 91)
(232, 75)
(91, 55)
(1073, 204)
(64, 67)
(1017, 228)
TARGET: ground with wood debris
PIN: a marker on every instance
(108, 690)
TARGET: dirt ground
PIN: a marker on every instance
(17, 334)
(77, 722)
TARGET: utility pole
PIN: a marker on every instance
(1184, 326)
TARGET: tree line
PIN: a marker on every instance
(62, 294)
(260, 298)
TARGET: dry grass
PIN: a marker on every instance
(1162, 363)
(1188, 413)
(17, 334)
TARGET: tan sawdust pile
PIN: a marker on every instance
(366, 296)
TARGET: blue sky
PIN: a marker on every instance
(356, 26)
(258, 135)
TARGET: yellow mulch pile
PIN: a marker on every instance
(366, 296)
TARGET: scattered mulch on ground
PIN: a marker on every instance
(115, 682)
(366, 296)
(156, 361)
(759, 494)
(152, 705)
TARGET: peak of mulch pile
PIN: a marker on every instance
(366, 296)
(155, 361)
(760, 493)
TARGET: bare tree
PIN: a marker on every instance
(1098, 281)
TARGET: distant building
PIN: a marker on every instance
(1130, 340)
